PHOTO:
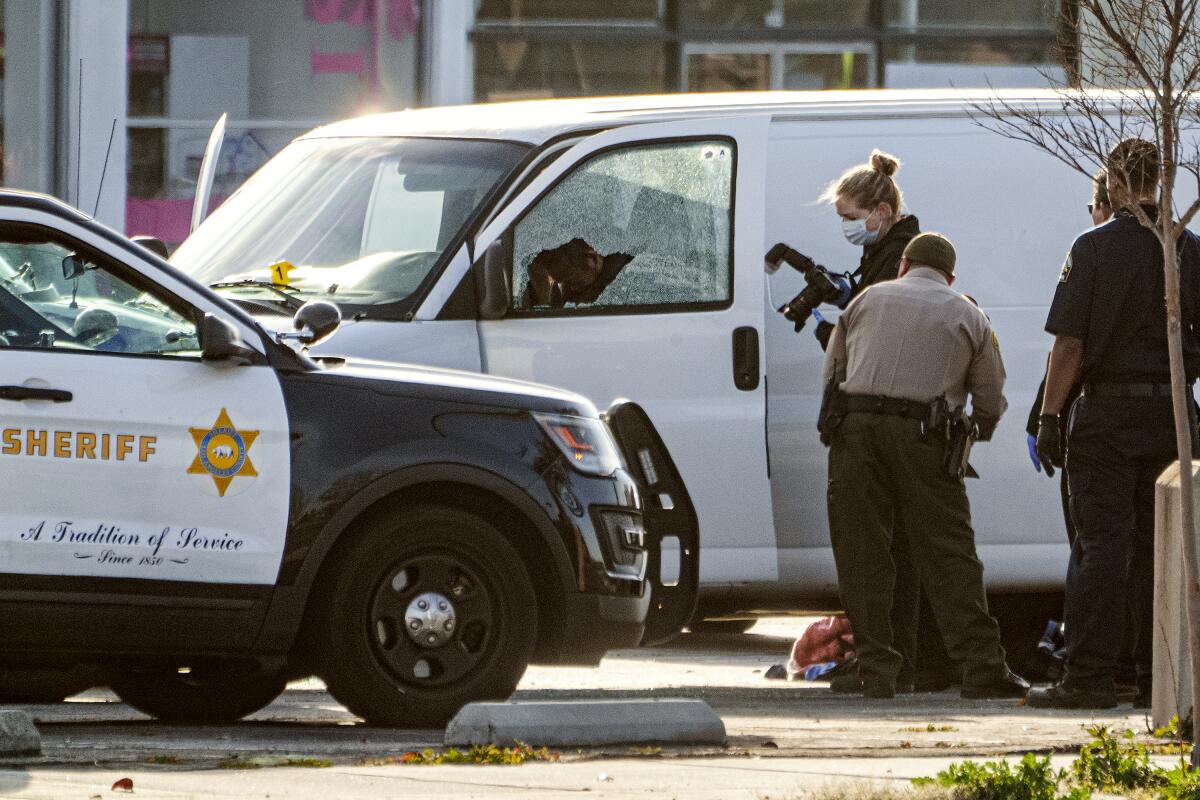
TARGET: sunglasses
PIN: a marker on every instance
(1092, 206)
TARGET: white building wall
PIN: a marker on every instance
(449, 68)
(96, 39)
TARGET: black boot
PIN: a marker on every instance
(1010, 687)
(1062, 696)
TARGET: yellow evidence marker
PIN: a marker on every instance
(281, 273)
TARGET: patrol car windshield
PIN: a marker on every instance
(358, 221)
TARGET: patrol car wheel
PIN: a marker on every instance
(200, 696)
(427, 611)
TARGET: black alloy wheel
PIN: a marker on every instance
(433, 618)
(425, 611)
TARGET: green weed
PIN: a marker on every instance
(1032, 779)
(1109, 763)
(258, 762)
(479, 754)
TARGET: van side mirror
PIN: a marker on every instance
(73, 266)
(153, 244)
(221, 345)
(315, 321)
(491, 279)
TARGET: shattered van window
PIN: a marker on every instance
(647, 225)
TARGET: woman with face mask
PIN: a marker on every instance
(869, 202)
(871, 208)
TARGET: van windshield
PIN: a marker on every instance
(357, 221)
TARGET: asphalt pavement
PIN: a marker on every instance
(782, 737)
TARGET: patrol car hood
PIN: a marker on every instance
(456, 385)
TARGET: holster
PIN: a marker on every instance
(961, 436)
(833, 411)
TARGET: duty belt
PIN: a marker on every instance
(1130, 390)
(891, 406)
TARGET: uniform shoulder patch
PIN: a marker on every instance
(1066, 270)
(995, 342)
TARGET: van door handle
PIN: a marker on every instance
(31, 393)
(745, 359)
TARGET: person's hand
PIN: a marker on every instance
(1049, 443)
(1033, 455)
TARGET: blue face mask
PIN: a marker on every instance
(856, 233)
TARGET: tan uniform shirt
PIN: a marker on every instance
(915, 338)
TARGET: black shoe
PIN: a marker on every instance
(1059, 696)
(1011, 687)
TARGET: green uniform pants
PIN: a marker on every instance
(880, 466)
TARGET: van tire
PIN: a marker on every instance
(368, 604)
(205, 696)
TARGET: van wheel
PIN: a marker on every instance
(428, 610)
(204, 696)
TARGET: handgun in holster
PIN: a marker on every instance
(962, 433)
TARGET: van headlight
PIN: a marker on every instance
(587, 443)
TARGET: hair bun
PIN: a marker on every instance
(884, 164)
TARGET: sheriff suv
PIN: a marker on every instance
(196, 511)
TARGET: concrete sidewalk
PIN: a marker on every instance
(691, 778)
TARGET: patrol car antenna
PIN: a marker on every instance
(104, 169)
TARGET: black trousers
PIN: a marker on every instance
(880, 467)
(1117, 449)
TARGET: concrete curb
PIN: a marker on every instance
(586, 724)
(18, 736)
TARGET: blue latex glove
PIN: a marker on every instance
(819, 317)
(1031, 441)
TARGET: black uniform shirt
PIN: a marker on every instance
(1111, 295)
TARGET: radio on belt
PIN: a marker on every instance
(197, 511)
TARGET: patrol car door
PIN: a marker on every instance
(145, 491)
(675, 210)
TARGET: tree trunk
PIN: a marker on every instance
(1183, 443)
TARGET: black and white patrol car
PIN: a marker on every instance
(195, 512)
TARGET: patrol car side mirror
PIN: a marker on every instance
(315, 321)
(491, 280)
(221, 344)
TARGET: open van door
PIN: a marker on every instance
(632, 267)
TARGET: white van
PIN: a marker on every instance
(422, 225)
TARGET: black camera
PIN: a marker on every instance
(823, 285)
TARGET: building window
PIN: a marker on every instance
(755, 67)
(518, 12)
(565, 48)
(277, 72)
(523, 67)
(750, 14)
(1007, 14)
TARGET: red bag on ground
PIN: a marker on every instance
(828, 639)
